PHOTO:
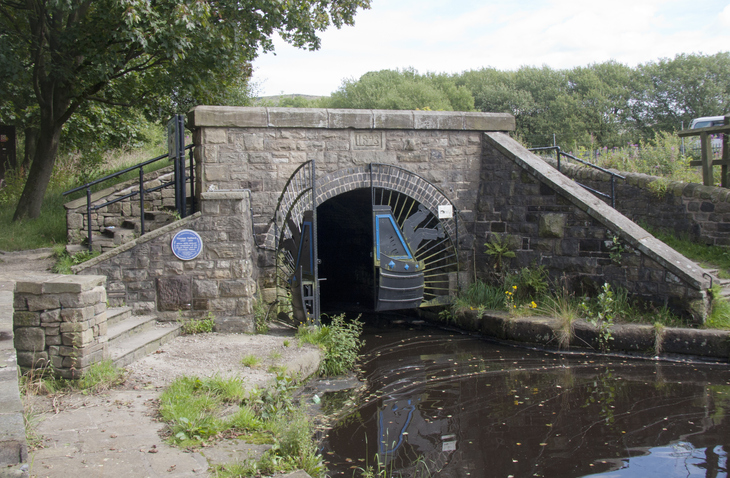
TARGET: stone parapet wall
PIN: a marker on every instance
(552, 222)
(145, 275)
(115, 214)
(701, 212)
(60, 321)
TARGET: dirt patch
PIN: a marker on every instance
(222, 354)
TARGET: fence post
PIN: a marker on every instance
(706, 144)
(725, 155)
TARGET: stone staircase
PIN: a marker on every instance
(128, 229)
(132, 337)
(723, 283)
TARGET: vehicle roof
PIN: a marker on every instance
(708, 118)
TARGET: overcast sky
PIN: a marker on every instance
(459, 35)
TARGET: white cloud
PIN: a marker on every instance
(725, 16)
(453, 37)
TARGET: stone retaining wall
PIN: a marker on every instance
(60, 321)
(701, 212)
(565, 228)
(147, 276)
(259, 149)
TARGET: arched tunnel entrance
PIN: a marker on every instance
(345, 232)
(374, 238)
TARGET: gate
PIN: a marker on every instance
(295, 228)
(415, 261)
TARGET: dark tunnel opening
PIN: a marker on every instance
(345, 244)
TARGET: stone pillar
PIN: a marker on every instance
(60, 322)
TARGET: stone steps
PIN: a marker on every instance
(132, 337)
(112, 236)
(723, 283)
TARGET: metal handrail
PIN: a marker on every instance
(141, 191)
(613, 175)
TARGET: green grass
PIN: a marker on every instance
(250, 361)
(720, 316)
(481, 295)
(191, 326)
(49, 229)
(193, 409)
(65, 261)
(708, 256)
(99, 377)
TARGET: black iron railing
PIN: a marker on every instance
(179, 182)
(613, 175)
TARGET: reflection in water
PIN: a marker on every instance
(443, 404)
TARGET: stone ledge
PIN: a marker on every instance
(634, 339)
(246, 117)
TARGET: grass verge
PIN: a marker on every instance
(202, 410)
(49, 229)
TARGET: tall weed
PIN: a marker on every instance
(340, 341)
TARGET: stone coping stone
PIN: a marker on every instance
(616, 222)
(265, 117)
(38, 283)
(633, 339)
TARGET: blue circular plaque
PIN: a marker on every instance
(187, 245)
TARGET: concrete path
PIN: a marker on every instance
(116, 433)
(112, 435)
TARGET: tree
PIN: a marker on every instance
(402, 90)
(130, 52)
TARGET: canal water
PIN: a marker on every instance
(441, 403)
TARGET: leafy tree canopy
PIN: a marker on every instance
(59, 55)
(603, 104)
(402, 90)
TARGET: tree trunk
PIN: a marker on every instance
(29, 205)
(31, 141)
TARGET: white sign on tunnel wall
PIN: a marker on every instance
(446, 211)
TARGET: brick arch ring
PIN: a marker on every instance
(389, 177)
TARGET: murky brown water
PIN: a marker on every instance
(445, 404)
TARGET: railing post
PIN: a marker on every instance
(88, 216)
(613, 191)
(315, 266)
(558, 149)
(192, 182)
(725, 155)
(141, 201)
